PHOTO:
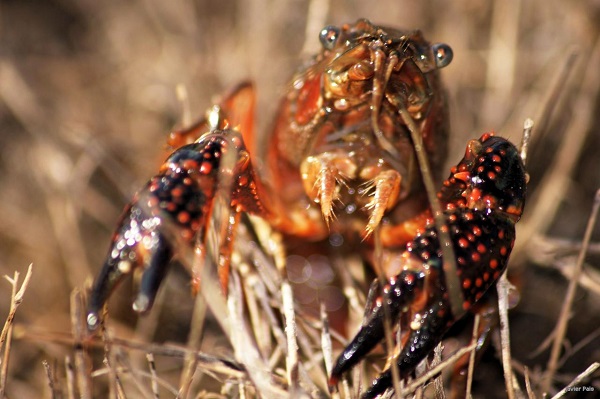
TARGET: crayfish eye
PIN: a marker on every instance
(329, 37)
(442, 53)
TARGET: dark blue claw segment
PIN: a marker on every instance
(400, 292)
(420, 343)
(153, 276)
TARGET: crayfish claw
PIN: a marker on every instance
(369, 335)
(136, 243)
(398, 292)
(152, 276)
(379, 385)
(427, 329)
(173, 209)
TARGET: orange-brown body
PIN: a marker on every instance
(339, 144)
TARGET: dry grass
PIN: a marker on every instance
(88, 91)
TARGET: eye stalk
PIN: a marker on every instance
(443, 54)
(329, 37)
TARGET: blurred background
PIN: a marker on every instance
(89, 90)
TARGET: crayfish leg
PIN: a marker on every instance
(401, 233)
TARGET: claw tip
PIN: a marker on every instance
(332, 384)
(93, 321)
(141, 304)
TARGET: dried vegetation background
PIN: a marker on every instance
(88, 91)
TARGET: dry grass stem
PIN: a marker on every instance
(326, 345)
(260, 326)
(431, 373)
(79, 331)
(16, 298)
(51, 383)
(291, 360)
(563, 318)
(207, 362)
(526, 138)
(194, 339)
(474, 338)
(114, 381)
(503, 287)
(438, 382)
(580, 378)
(138, 377)
(530, 393)
(555, 253)
(244, 349)
(377, 288)
(154, 380)
(71, 379)
(587, 340)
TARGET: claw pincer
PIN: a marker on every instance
(483, 199)
(180, 195)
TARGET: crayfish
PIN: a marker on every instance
(340, 160)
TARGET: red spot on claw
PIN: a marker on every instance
(177, 192)
(190, 164)
(183, 217)
(205, 168)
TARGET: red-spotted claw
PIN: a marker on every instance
(483, 199)
(181, 195)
